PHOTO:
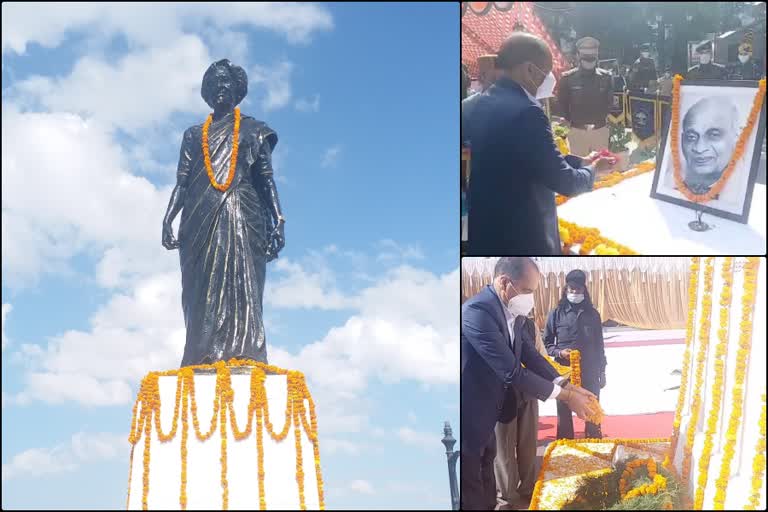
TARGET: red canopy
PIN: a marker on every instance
(485, 25)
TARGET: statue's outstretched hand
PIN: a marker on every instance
(169, 241)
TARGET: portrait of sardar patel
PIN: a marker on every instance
(708, 139)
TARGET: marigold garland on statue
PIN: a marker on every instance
(233, 160)
(149, 413)
(758, 465)
(738, 152)
(717, 385)
(692, 298)
(701, 356)
(737, 397)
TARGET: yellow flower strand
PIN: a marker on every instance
(693, 289)
(185, 376)
(575, 368)
(130, 473)
(737, 398)
(758, 465)
(149, 399)
(233, 160)
(701, 357)
(717, 386)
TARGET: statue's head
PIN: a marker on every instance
(224, 84)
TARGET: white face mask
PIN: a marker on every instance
(705, 58)
(520, 304)
(645, 55)
(575, 298)
(743, 58)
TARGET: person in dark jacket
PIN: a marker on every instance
(575, 324)
(516, 167)
(491, 366)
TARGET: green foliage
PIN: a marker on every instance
(618, 139)
(559, 130)
(602, 492)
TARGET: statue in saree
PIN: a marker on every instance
(231, 223)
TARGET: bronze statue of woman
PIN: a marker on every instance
(231, 223)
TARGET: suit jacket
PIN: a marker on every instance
(489, 367)
(516, 170)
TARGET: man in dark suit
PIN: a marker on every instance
(516, 167)
(491, 368)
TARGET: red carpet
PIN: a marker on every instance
(633, 426)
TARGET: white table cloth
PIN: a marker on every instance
(626, 214)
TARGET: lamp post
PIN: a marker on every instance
(452, 457)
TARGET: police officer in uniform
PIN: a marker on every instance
(746, 68)
(585, 96)
(706, 69)
(643, 69)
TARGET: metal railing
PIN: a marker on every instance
(453, 457)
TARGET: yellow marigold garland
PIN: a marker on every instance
(561, 369)
(742, 355)
(589, 239)
(295, 414)
(693, 290)
(233, 160)
(741, 143)
(758, 465)
(575, 368)
(701, 357)
(717, 386)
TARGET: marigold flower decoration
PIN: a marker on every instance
(575, 368)
(737, 397)
(738, 153)
(701, 356)
(233, 160)
(717, 385)
(758, 465)
(692, 296)
(295, 414)
(589, 240)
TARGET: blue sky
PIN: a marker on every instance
(94, 103)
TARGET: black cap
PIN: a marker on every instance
(705, 46)
(576, 277)
(645, 47)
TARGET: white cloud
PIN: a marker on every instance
(331, 156)
(277, 82)
(66, 456)
(139, 90)
(391, 251)
(361, 487)
(86, 199)
(416, 438)
(155, 23)
(300, 288)
(332, 446)
(308, 105)
(7, 308)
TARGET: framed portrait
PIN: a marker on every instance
(713, 114)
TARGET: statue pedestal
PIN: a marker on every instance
(204, 489)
